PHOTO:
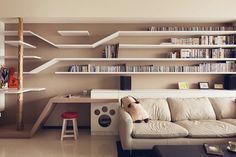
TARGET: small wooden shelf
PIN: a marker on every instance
(25, 57)
(166, 46)
(17, 43)
(142, 73)
(73, 33)
(16, 91)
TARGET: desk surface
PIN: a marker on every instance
(63, 99)
(81, 99)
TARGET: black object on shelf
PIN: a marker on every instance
(230, 82)
(125, 82)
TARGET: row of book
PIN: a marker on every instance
(204, 67)
(205, 40)
(227, 66)
(110, 51)
(79, 68)
(194, 28)
(203, 53)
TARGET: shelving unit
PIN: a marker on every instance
(19, 91)
(131, 34)
(56, 60)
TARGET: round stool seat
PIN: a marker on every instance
(69, 115)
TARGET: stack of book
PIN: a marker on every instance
(195, 28)
(110, 68)
(206, 53)
(79, 68)
(110, 51)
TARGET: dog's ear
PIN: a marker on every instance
(121, 102)
(136, 101)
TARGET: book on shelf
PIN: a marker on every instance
(205, 40)
(203, 53)
(79, 68)
(110, 51)
(191, 28)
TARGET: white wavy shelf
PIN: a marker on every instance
(16, 91)
(73, 33)
(56, 60)
(17, 43)
(165, 46)
(142, 73)
(125, 33)
(145, 59)
(24, 57)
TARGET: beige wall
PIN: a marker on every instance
(160, 10)
(65, 84)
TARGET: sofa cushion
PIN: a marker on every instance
(230, 121)
(224, 107)
(191, 109)
(158, 129)
(157, 109)
(208, 128)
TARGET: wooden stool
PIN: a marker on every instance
(69, 116)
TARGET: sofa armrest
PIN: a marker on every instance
(125, 129)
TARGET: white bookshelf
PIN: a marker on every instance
(17, 43)
(143, 73)
(130, 34)
(144, 59)
(174, 33)
(56, 60)
(15, 57)
(73, 33)
(166, 46)
(73, 46)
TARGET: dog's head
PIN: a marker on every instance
(127, 101)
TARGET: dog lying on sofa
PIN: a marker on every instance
(135, 109)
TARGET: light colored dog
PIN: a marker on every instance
(135, 109)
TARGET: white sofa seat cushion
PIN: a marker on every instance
(208, 128)
(225, 108)
(157, 109)
(158, 129)
(191, 109)
(230, 121)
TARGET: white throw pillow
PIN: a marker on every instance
(191, 109)
(224, 107)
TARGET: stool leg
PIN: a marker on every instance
(63, 129)
(75, 128)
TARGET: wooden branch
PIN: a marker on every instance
(20, 99)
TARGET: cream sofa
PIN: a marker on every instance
(180, 121)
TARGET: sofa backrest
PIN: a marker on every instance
(157, 108)
(224, 107)
(191, 109)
